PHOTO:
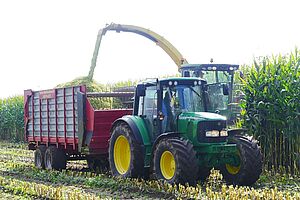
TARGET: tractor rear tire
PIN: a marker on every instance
(39, 156)
(126, 158)
(174, 161)
(55, 158)
(98, 164)
(250, 168)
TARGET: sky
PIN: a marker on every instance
(45, 43)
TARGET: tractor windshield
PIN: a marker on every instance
(217, 100)
(183, 98)
(178, 99)
(215, 81)
(217, 76)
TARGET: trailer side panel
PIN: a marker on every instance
(103, 120)
(51, 116)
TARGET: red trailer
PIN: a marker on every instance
(61, 125)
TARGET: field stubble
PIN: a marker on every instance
(19, 179)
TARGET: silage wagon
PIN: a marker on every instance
(61, 125)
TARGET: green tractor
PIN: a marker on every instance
(172, 136)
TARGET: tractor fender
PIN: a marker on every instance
(135, 131)
(236, 131)
(140, 133)
(163, 136)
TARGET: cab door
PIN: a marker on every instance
(148, 110)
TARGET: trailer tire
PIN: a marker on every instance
(100, 165)
(126, 158)
(175, 161)
(55, 158)
(250, 168)
(39, 157)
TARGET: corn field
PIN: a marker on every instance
(11, 119)
(272, 109)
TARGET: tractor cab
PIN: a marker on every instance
(220, 86)
(164, 103)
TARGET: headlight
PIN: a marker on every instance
(216, 133)
(223, 133)
(213, 133)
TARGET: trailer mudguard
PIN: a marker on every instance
(140, 134)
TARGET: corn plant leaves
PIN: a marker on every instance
(272, 108)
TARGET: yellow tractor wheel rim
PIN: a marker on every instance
(233, 169)
(167, 165)
(122, 154)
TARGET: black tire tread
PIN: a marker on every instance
(40, 152)
(185, 158)
(59, 160)
(251, 162)
(136, 168)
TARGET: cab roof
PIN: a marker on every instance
(209, 67)
(180, 80)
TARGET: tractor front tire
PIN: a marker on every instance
(126, 158)
(250, 168)
(174, 161)
(39, 156)
(55, 158)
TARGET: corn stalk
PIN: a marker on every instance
(272, 92)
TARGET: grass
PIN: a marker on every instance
(19, 179)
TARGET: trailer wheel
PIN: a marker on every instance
(175, 161)
(250, 167)
(39, 156)
(126, 158)
(98, 164)
(55, 158)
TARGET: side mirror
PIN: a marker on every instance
(141, 90)
(225, 89)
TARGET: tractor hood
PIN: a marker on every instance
(201, 116)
